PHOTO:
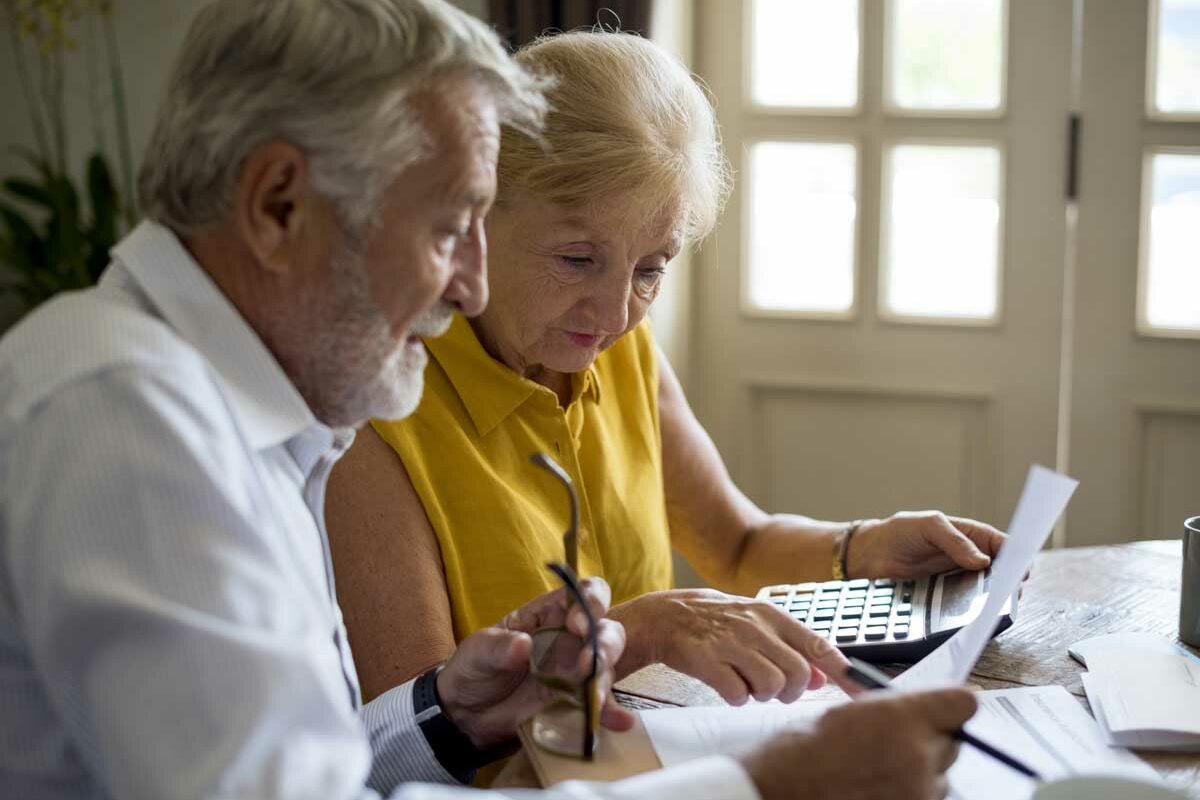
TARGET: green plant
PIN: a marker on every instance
(56, 233)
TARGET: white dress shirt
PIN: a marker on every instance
(168, 622)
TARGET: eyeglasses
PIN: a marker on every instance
(567, 725)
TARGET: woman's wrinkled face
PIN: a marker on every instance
(567, 283)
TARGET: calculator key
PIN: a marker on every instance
(900, 632)
(844, 635)
(884, 583)
(822, 625)
(879, 612)
(854, 602)
(832, 585)
(883, 592)
(874, 634)
(880, 602)
(859, 583)
(906, 597)
(822, 614)
(904, 610)
(852, 613)
(856, 593)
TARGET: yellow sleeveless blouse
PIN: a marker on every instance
(498, 518)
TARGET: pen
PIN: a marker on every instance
(868, 677)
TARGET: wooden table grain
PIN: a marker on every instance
(1072, 594)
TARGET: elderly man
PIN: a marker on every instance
(314, 188)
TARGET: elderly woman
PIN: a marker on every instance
(586, 223)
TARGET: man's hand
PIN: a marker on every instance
(892, 746)
(911, 544)
(741, 647)
(486, 688)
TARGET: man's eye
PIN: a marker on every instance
(576, 261)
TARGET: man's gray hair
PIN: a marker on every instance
(332, 77)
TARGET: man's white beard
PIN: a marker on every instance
(360, 370)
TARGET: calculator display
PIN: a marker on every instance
(959, 590)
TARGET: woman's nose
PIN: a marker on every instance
(612, 302)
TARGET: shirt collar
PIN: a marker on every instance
(489, 390)
(269, 408)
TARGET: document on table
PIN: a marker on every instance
(1043, 726)
(1145, 698)
(1042, 502)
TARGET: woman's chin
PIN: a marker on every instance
(570, 360)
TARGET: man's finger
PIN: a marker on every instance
(611, 638)
(541, 612)
(946, 709)
(614, 716)
(597, 594)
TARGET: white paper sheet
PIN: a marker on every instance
(1145, 699)
(1046, 728)
(1043, 726)
(1130, 642)
(1042, 502)
(683, 734)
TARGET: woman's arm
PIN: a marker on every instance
(731, 542)
(388, 567)
(738, 547)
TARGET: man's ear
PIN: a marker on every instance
(272, 203)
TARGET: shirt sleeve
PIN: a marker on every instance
(159, 605)
(398, 746)
(712, 778)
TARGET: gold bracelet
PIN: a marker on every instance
(841, 550)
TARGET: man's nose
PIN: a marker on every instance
(468, 288)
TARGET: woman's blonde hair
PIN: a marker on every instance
(625, 116)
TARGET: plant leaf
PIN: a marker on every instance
(29, 191)
(25, 249)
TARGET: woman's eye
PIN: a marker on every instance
(650, 277)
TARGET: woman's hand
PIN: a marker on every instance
(912, 544)
(740, 647)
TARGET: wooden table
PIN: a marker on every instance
(1073, 594)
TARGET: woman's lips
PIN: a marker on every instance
(584, 339)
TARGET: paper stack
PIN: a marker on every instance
(1144, 691)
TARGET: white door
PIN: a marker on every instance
(1135, 422)
(879, 312)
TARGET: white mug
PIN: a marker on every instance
(1100, 788)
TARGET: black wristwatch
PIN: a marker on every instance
(454, 751)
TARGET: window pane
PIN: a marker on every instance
(801, 232)
(1172, 279)
(943, 223)
(946, 54)
(805, 53)
(1177, 73)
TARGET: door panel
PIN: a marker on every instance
(860, 415)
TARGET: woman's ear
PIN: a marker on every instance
(272, 204)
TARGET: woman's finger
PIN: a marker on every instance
(987, 538)
(798, 674)
(763, 677)
(725, 681)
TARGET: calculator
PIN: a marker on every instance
(885, 620)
